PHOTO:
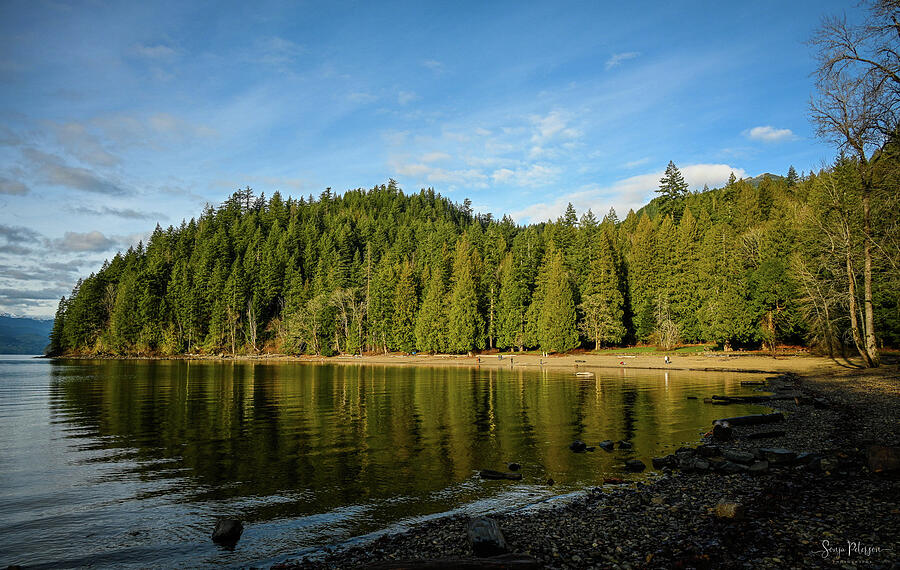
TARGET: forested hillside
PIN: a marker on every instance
(378, 270)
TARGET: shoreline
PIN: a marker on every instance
(799, 515)
(738, 362)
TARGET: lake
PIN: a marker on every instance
(130, 462)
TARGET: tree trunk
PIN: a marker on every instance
(854, 314)
(871, 345)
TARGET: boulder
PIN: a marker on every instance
(730, 468)
(709, 450)
(625, 444)
(513, 466)
(661, 462)
(606, 445)
(883, 459)
(723, 432)
(227, 532)
(578, 446)
(777, 456)
(635, 465)
(758, 468)
(741, 457)
(485, 537)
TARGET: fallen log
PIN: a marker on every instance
(496, 475)
(755, 399)
(504, 562)
(486, 538)
(752, 420)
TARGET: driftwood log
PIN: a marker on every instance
(752, 420)
(491, 474)
(504, 562)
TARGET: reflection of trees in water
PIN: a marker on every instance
(338, 435)
(629, 418)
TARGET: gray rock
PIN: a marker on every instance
(723, 432)
(606, 445)
(485, 537)
(759, 468)
(741, 457)
(578, 446)
(625, 444)
(731, 467)
(709, 450)
(662, 462)
(227, 532)
(778, 456)
(635, 465)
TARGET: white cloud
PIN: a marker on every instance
(769, 134)
(425, 173)
(553, 126)
(714, 175)
(93, 241)
(433, 65)
(636, 163)
(158, 51)
(405, 97)
(529, 176)
(361, 97)
(626, 194)
(617, 58)
(279, 52)
(435, 157)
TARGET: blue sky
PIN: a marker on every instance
(117, 115)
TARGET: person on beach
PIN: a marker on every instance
(667, 360)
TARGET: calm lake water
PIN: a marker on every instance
(128, 463)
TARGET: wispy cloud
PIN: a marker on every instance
(126, 213)
(17, 240)
(279, 52)
(77, 141)
(635, 163)
(406, 97)
(433, 65)
(12, 187)
(769, 134)
(617, 58)
(93, 241)
(53, 170)
(155, 51)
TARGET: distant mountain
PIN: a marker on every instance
(22, 335)
(757, 180)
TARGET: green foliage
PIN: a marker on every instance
(377, 270)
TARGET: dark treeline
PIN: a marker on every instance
(754, 263)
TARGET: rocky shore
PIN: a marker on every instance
(819, 488)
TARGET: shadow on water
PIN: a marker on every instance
(309, 455)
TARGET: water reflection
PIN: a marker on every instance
(313, 454)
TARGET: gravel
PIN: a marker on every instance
(823, 509)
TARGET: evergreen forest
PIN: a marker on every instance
(776, 259)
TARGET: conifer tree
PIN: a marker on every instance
(431, 322)
(465, 323)
(554, 308)
(405, 309)
(512, 304)
(602, 301)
